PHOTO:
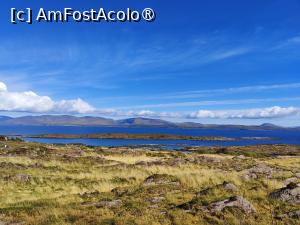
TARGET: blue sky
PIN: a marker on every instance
(203, 61)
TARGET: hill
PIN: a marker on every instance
(67, 120)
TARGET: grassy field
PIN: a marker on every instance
(73, 184)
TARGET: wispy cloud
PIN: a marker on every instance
(212, 103)
(225, 91)
(120, 62)
(210, 92)
(294, 40)
(290, 42)
(228, 54)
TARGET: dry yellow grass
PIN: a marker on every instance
(62, 181)
(196, 176)
(128, 159)
(286, 161)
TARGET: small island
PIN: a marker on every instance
(127, 136)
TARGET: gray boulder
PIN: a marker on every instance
(156, 199)
(229, 186)
(249, 176)
(260, 169)
(161, 179)
(292, 215)
(290, 180)
(290, 193)
(23, 178)
(236, 201)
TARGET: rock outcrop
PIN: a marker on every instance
(260, 169)
(292, 215)
(161, 179)
(236, 201)
(229, 186)
(290, 180)
(290, 194)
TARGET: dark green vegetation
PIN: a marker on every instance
(72, 184)
(142, 137)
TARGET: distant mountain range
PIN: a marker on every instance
(66, 120)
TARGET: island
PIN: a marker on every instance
(127, 136)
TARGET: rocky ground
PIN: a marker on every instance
(73, 184)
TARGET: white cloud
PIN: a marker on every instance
(271, 112)
(74, 106)
(260, 113)
(32, 102)
(140, 113)
(2, 87)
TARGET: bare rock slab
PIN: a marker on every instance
(236, 201)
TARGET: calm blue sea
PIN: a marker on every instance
(280, 136)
